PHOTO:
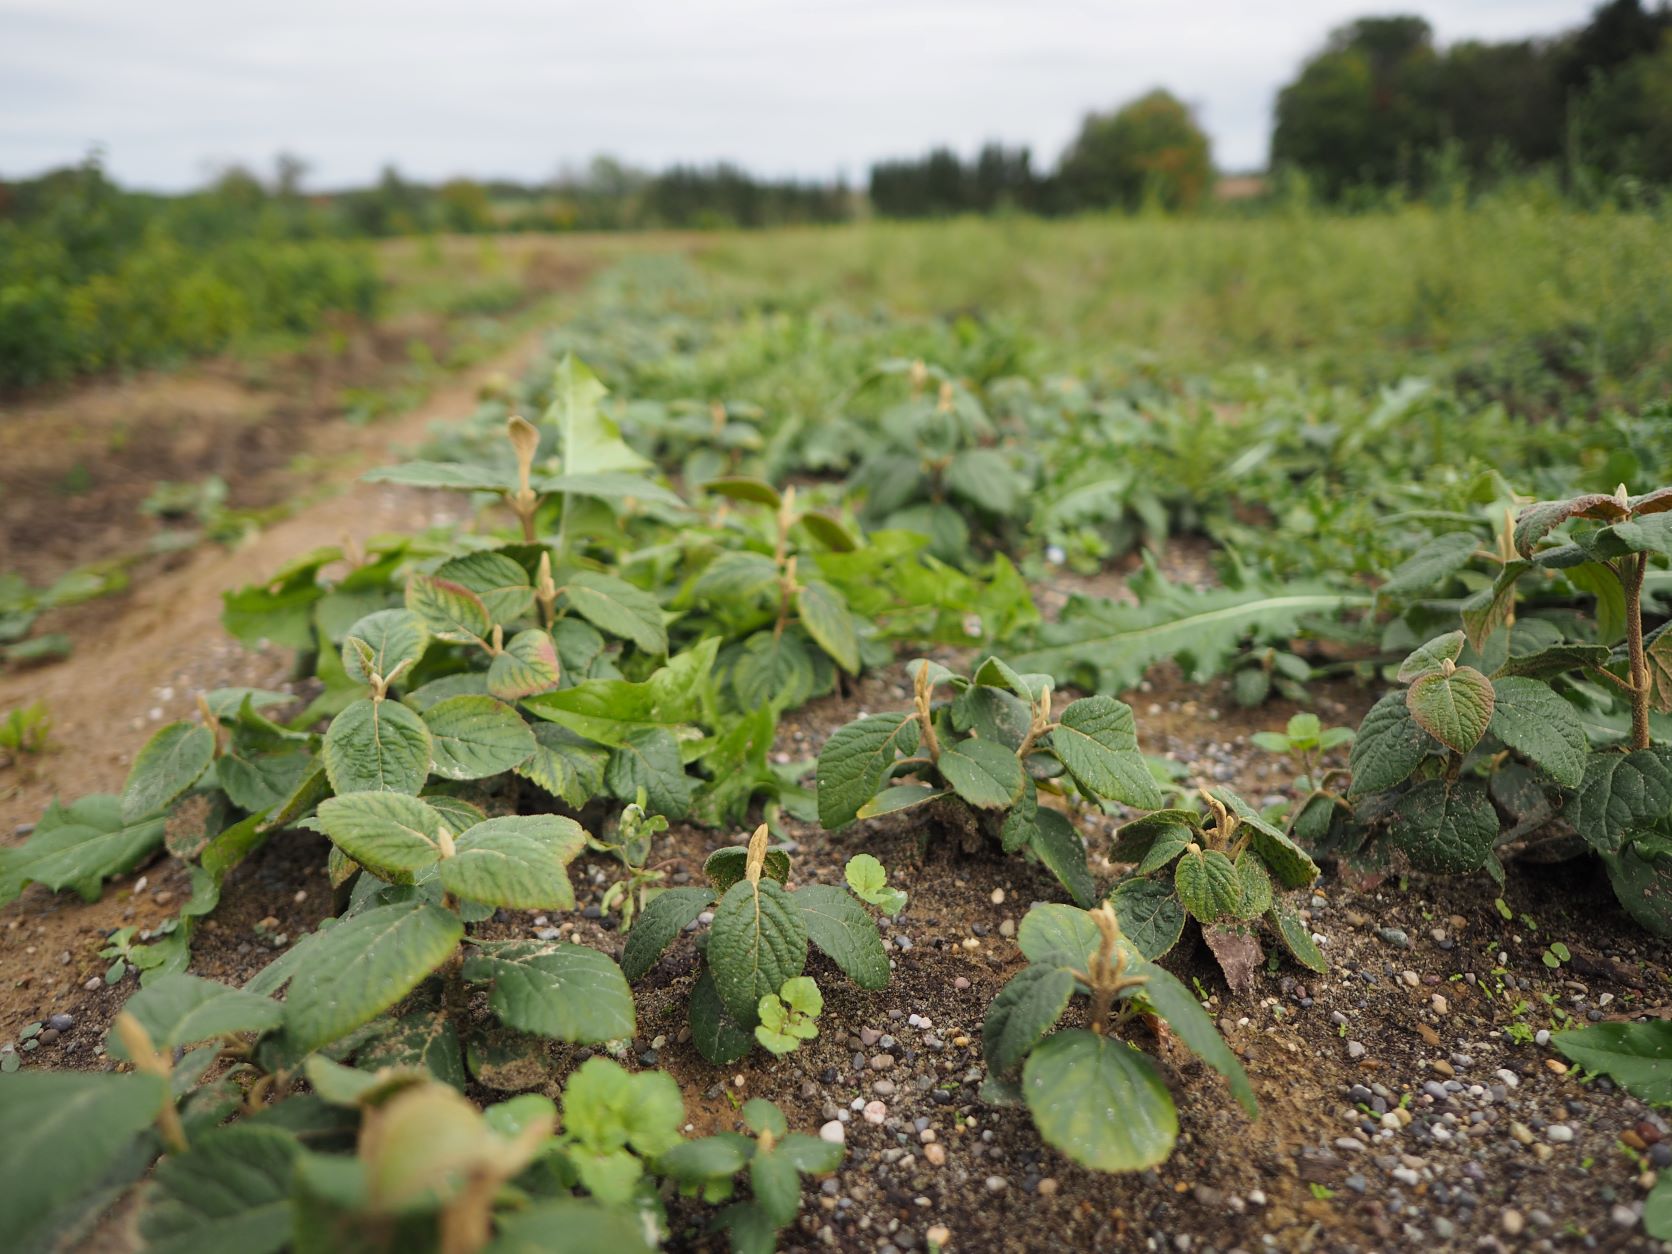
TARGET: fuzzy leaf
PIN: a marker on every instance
(528, 665)
(477, 737)
(825, 617)
(1536, 521)
(649, 759)
(1636, 1056)
(1556, 660)
(393, 636)
(519, 861)
(1431, 658)
(1097, 740)
(170, 763)
(1100, 1102)
(1455, 709)
(1062, 851)
(1256, 885)
(982, 773)
(719, 1038)
(1620, 795)
(362, 966)
(844, 932)
(1390, 745)
(898, 797)
(659, 925)
(78, 846)
(459, 476)
(229, 1191)
(564, 764)
(1150, 915)
(1540, 726)
(1446, 831)
(1058, 936)
(1208, 885)
(561, 991)
(1025, 1009)
(451, 611)
(59, 1132)
(618, 607)
(1438, 559)
(1296, 939)
(392, 835)
(377, 745)
(757, 941)
(855, 761)
(499, 582)
(1184, 1014)
(725, 867)
(180, 1010)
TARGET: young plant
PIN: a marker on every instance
(981, 760)
(1218, 870)
(1092, 1094)
(634, 831)
(806, 631)
(1497, 732)
(789, 1016)
(25, 731)
(1307, 741)
(756, 947)
(775, 1159)
(1264, 671)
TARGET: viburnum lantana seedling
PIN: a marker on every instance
(1217, 869)
(1494, 745)
(797, 630)
(1091, 1093)
(981, 760)
(756, 943)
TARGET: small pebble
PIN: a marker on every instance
(875, 1112)
(833, 1132)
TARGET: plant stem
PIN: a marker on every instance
(1633, 582)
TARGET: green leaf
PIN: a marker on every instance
(392, 835)
(229, 1191)
(825, 617)
(1455, 709)
(498, 581)
(1620, 795)
(459, 476)
(743, 488)
(568, 1223)
(1610, 608)
(1058, 936)
(842, 930)
(1556, 660)
(1296, 938)
(1389, 746)
(59, 1132)
(1432, 657)
(589, 442)
(1636, 1056)
(659, 925)
(983, 773)
(773, 670)
(362, 966)
(564, 992)
(180, 1010)
(984, 478)
(1446, 831)
(855, 761)
(1536, 521)
(78, 846)
(1636, 535)
(1062, 851)
(170, 763)
(1256, 885)
(757, 941)
(450, 610)
(776, 1185)
(565, 764)
(608, 710)
(727, 866)
(476, 737)
(618, 607)
(1097, 741)
(1025, 1009)
(528, 665)
(519, 861)
(1438, 559)
(611, 486)
(711, 1158)
(1100, 1102)
(1542, 727)
(376, 745)
(393, 636)
(811, 1156)
(868, 879)
(898, 797)
(736, 578)
(719, 1038)
(1155, 839)
(1285, 859)
(649, 759)
(1208, 885)
(829, 532)
(1184, 1014)
(1150, 915)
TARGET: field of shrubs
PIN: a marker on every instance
(997, 735)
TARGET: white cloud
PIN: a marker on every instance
(519, 87)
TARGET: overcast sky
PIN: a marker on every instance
(518, 88)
